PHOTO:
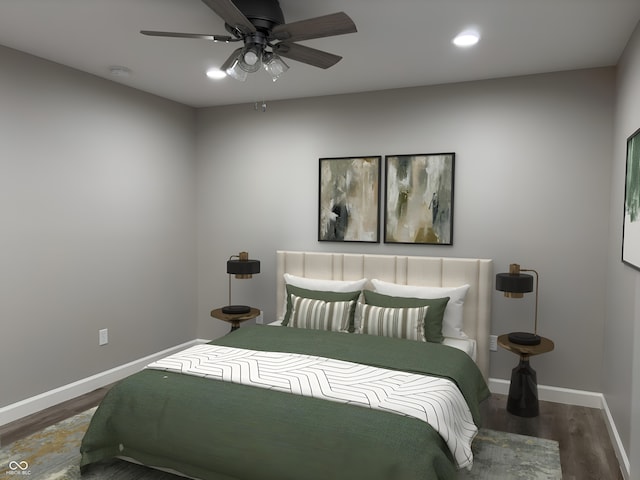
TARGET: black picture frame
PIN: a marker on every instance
(349, 199)
(419, 198)
(631, 218)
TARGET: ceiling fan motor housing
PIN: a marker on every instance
(264, 14)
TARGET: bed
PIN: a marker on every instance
(180, 414)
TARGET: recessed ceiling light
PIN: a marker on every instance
(466, 39)
(215, 73)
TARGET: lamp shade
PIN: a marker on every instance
(243, 267)
(514, 283)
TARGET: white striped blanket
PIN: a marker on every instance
(436, 401)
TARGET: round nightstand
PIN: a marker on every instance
(523, 391)
(235, 319)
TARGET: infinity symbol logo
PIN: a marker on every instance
(13, 465)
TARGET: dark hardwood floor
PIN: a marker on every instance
(33, 423)
(586, 453)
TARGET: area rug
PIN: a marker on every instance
(507, 456)
(53, 454)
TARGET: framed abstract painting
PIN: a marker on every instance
(631, 223)
(419, 198)
(349, 199)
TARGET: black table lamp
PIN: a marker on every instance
(514, 285)
(242, 267)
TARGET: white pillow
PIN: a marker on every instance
(452, 322)
(391, 322)
(325, 285)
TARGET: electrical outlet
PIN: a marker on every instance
(493, 343)
(103, 336)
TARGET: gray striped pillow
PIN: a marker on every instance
(320, 314)
(391, 322)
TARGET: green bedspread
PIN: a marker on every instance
(221, 431)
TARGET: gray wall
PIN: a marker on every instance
(533, 160)
(621, 378)
(97, 214)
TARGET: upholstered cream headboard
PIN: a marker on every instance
(405, 270)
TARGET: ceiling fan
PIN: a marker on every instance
(259, 24)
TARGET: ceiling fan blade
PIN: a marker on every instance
(317, 27)
(202, 36)
(307, 55)
(226, 10)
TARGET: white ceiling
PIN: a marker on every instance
(399, 43)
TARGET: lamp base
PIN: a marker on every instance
(236, 309)
(524, 338)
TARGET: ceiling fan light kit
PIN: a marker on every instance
(232, 66)
(259, 24)
(274, 65)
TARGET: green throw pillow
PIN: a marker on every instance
(433, 319)
(321, 295)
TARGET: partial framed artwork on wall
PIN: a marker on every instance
(419, 198)
(349, 199)
(631, 223)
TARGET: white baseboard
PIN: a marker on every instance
(567, 396)
(623, 459)
(580, 398)
(32, 405)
